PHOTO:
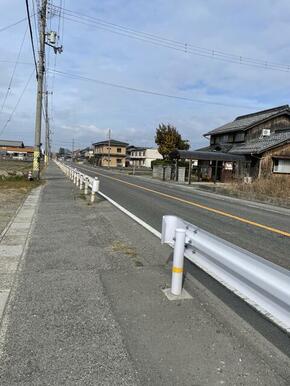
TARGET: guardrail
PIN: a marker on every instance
(262, 284)
(83, 181)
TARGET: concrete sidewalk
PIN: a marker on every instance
(87, 309)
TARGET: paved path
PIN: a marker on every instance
(86, 308)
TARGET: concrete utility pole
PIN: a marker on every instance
(40, 70)
(109, 150)
(46, 156)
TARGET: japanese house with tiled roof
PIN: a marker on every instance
(253, 145)
(110, 153)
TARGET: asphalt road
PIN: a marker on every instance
(260, 229)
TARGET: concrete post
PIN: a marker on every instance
(178, 260)
(81, 182)
(95, 188)
(189, 171)
(86, 186)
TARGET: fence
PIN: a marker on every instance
(83, 181)
(262, 284)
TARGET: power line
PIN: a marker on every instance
(13, 72)
(14, 61)
(35, 12)
(12, 25)
(17, 103)
(31, 36)
(143, 91)
(184, 47)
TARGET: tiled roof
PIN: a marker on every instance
(113, 142)
(224, 147)
(262, 144)
(243, 122)
(3, 142)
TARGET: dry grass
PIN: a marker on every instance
(20, 184)
(12, 166)
(12, 193)
(274, 189)
(118, 246)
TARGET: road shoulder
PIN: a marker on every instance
(88, 309)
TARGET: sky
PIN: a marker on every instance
(84, 110)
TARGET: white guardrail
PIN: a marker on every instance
(83, 181)
(262, 284)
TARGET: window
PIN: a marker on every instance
(281, 165)
(224, 138)
(212, 140)
(119, 150)
(239, 137)
(119, 162)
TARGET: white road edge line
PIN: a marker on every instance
(201, 266)
(228, 199)
(135, 218)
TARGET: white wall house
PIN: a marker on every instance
(142, 157)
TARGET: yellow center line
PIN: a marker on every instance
(213, 210)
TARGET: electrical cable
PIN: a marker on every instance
(143, 91)
(31, 37)
(12, 25)
(170, 43)
(35, 12)
(17, 103)
(13, 72)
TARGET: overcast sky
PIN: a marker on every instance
(84, 110)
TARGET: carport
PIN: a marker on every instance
(220, 166)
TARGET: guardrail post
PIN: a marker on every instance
(86, 186)
(178, 260)
(95, 188)
(81, 182)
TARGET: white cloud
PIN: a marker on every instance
(85, 110)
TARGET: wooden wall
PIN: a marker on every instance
(267, 162)
(273, 124)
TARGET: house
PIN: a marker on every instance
(110, 153)
(64, 153)
(76, 154)
(252, 145)
(87, 153)
(142, 156)
(15, 150)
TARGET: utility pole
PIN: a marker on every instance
(109, 150)
(40, 70)
(46, 156)
(52, 36)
